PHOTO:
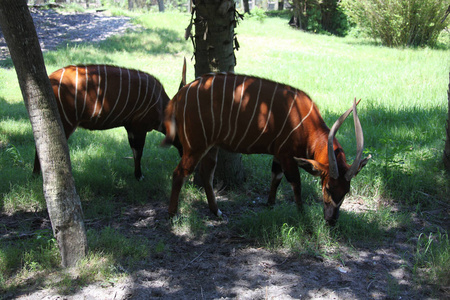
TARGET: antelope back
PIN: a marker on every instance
(102, 97)
(245, 114)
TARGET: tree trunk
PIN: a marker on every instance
(214, 52)
(161, 5)
(447, 141)
(63, 202)
(246, 6)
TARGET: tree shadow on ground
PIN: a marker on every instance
(220, 263)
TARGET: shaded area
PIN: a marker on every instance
(222, 264)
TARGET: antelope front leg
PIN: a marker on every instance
(177, 184)
(277, 175)
(206, 169)
(292, 174)
(183, 170)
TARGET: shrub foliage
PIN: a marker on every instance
(399, 22)
(319, 16)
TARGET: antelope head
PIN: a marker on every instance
(336, 176)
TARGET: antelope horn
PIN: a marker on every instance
(359, 145)
(333, 168)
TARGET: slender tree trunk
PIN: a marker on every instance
(246, 6)
(214, 52)
(63, 202)
(161, 5)
(447, 141)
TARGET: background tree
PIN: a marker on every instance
(319, 16)
(447, 141)
(63, 202)
(214, 44)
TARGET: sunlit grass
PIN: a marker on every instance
(403, 112)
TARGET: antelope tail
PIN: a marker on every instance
(169, 124)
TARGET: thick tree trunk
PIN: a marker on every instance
(447, 141)
(63, 203)
(214, 52)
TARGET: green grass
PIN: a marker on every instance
(403, 112)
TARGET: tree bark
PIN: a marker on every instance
(63, 202)
(447, 141)
(161, 5)
(246, 6)
(214, 52)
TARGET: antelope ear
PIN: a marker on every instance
(361, 165)
(311, 166)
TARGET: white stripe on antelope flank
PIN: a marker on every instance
(238, 113)
(144, 100)
(128, 98)
(223, 102)
(184, 115)
(137, 99)
(231, 108)
(253, 115)
(143, 112)
(299, 124)
(140, 115)
(75, 100)
(98, 91)
(212, 108)
(118, 97)
(284, 124)
(104, 94)
(157, 101)
(86, 75)
(199, 112)
(268, 118)
(59, 96)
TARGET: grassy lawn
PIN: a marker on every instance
(403, 114)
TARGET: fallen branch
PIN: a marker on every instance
(193, 260)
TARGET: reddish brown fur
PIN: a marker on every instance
(252, 115)
(98, 97)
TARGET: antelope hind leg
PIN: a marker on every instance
(137, 142)
(206, 171)
(277, 175)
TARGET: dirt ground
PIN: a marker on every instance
(222, 265)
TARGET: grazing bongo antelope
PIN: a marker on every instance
(252, 115)
(98, 97)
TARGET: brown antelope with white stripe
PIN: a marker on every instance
(252, 115)
(98, 97)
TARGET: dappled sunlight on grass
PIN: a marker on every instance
(402, 111)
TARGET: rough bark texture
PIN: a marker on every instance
(447, 141)
(214, 52)
(63, 203)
